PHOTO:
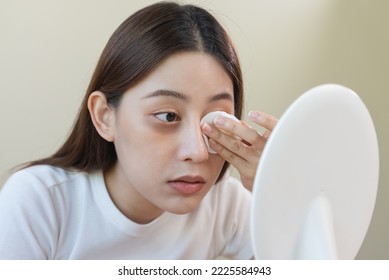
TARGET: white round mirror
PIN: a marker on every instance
(316, 183)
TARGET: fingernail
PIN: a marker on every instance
(207, 128)
(219, 121)
(255, 116)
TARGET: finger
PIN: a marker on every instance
(258, 139)
(239, 155)
(228, 146)
(245, 167)
(243, 131)
(265, 120)
(266, 134)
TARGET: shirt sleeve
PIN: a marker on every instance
(27, 218)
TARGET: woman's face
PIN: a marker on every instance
(163, 163)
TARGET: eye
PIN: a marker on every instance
(167, 117)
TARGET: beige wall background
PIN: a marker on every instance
(48, 49)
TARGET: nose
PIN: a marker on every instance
(192, 146)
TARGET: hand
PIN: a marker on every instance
(240, 144)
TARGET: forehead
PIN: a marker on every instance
(189, 73)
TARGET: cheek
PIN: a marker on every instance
(142, 145)
(217, 164)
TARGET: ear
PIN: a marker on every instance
(102, 115)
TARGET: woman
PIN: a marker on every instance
(134, 179)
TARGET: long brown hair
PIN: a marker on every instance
(138, 46)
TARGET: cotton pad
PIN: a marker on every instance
(210, 119)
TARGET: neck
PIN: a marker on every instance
(127, 199)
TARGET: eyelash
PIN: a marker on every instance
(166, 115)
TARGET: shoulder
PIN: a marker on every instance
(41, 175)
(42, 193)
(33, 205)
(41, 182)
(45, 173)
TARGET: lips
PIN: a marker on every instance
(187, 184)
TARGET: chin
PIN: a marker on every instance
(184, 209)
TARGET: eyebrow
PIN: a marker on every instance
(181, 96)
(166, 93)
(222, 96)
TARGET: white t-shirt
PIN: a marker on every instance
(50, 213)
